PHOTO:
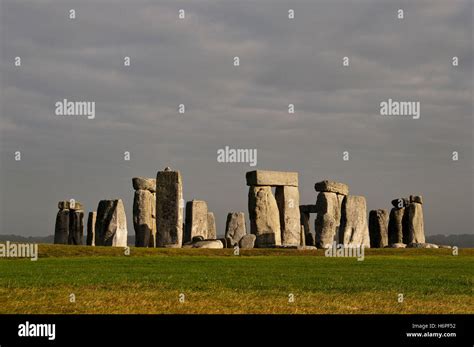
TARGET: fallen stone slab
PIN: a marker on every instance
(212, 244)
(396, 245)
(421, 245)
(144, 183)
(271, 178)
(306, 248)
(332, 187)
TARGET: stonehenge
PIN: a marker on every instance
(169, 209)
(111, 224)
(378, 228)
(69, 227)
(274, 220)
(144, 204)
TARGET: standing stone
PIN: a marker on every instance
(354, 230)
(169, 209)
(247, 241)
(264, 217)
(235, 228)
(288, 201)
(378, 224)
(332, 187)
(61, 229)
(327, 219)
(111, 224)
(413, 228)
(395, 225)
(211, 226)
(196, 220)
(91, 219)
(76, 227)
(142, 217)
(152, 242)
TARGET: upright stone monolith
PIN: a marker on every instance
(264, 217)
(288, 201)
(111, 224)
(91, 219)
(196, 220)
(211, 226)
(378, 224)
(395, 225)
(143, 220)
(76, 227)
(413, 225)
(169, 209)
(61, 229)
(327, 219)
(235, 228)
(353, 229)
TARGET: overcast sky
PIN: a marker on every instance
(190, 61)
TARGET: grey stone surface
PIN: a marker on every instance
(271, 178)
(354, 230)
(61, 229)
(264, 217)
(378, 228)
(288, 201)
(143, 220)
(235, 228)
(397, 245)
(306, 248)
(144, 183)
(327, 219)
(421, 245)
(213, 244)
(76, 227)
(196, 219)
(169, 211)
(211, 226)
(111, 224)
(332, 187)
(395, 225)
(91, 219)
(247, 241)
(413, 225)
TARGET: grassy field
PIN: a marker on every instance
(104, 280)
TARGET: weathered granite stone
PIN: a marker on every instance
(288, 201)
(247, 241)
(421, 245)
(235, 228)
(395, 225)
(143, 220)
(214, 244)
(61, 229)
(211, 226)
(327, 219)
(271, 178)
(169, 211)
(413, 227)
(264, 217)
(397, 245)
(143, 183)
(196, 219)
(92, 217)
(76, 227)
(70, 205)
(378, 228)
(416, 198)
(111, 224)
(354, 230)
(400, 202)
(332, 187)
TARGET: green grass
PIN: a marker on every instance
(104, 280)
